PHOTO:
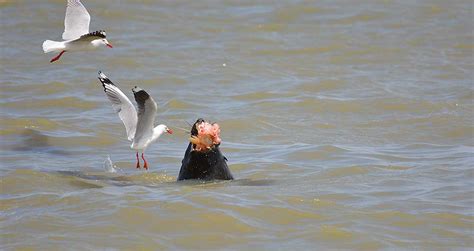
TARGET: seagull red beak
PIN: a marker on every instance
(109, 45)
(169, 131)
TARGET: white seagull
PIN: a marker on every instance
(76, 32)
(139, 127)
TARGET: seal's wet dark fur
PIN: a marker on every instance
(209, 165)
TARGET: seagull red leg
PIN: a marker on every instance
(138, 162)
(57, 57)
(146, 164)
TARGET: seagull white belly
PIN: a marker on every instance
(140, 145)
(80, 46)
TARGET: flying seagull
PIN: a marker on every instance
(139, 126)
(76, 33)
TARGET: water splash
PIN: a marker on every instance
(109, 166)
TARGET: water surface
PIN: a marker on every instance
(347, 126)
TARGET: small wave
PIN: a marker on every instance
(58, 103)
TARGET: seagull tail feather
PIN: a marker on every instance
(49, 46)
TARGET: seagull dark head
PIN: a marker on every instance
(98, 37)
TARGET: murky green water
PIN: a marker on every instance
(347, 125)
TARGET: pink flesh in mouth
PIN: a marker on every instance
(208, 135)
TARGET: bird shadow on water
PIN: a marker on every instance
(34, 141)
(86, 180)
(114, 176)
(102, 179)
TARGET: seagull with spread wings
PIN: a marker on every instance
(76, 33)
(139, 126)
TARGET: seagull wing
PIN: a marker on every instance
(76, 22)
(146, 117)
(121, 104)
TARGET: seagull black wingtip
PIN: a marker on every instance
(104, 80)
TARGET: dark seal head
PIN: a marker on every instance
(208, 164)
